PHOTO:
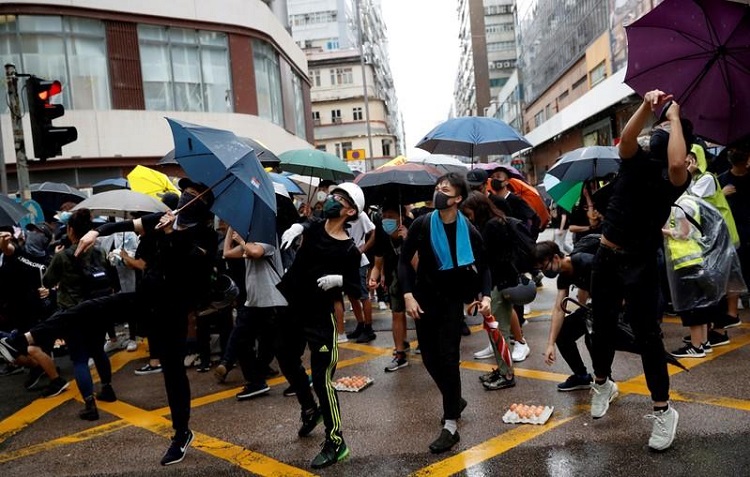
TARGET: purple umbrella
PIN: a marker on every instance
(699, 51)
(491, 166)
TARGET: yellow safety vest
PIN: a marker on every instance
(687, 252)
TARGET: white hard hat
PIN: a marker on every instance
(353, 191)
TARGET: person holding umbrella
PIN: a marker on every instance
(626, 267)
(326, 264)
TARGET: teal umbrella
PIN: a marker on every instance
(564, 193)
(315, 163)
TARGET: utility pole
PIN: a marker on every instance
(22, 168)
(3, 172)
(371, 163)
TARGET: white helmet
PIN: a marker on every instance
(353, 191)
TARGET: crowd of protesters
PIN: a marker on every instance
(474, 244)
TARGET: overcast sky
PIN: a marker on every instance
(423, 47)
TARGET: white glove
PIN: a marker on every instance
(327, 282)
(290, 234)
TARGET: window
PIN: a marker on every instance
(321, 147)
(345, 147)
(499, 28)
(598, 74)
(578, 83)
(562, 96)
(268, 82)
(341, 76)
(69, 49)
(387, 147)
(501, 46)
(299, 107)
(538, 118)
(337, 150)
(315, 77)
(184, 70)
(313, 18)
(357, 114)
(316, 118)
(336, 116)
(548, 111)
(332, 44)
(498, 82)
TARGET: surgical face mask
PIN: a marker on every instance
(332, 208)
(390, 225)
(321, 196)
(440, 200)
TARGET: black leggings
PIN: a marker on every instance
(573, 327)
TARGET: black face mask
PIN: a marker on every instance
(440, 200)
(332, 208)
(658, 144)
(497, 185)
(193, 214)
(550, 273)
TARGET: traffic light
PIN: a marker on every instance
(48, 139)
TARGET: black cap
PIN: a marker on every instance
(41, 227)
(476, 177)
(186, 182)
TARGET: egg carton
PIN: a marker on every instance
(511, 417)
(340, 386)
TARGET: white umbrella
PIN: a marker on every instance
(442, 162)
(119, 203)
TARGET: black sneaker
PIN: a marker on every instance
(727, 321)
(491, 376)
(407, 347)
(271, 372)
(707, 347)
(9, 348)
(717, 339)
(310, 419)
(148, 369)
(689, 351)
(89, 413)
(575, 382)
(252, 390)
(10, 370)
(330, 453)
(55, 387)
(178, 448)
(500, 383)
(357, 331)
(107, 394)
(444, 442)
(366, 336)
(35, 375)
(398, 362)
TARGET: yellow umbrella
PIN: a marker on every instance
(148, 181)
(396, 161)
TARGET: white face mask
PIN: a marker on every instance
(321, 196)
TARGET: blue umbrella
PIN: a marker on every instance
(290, 185)
(243, 192)
(471, 136)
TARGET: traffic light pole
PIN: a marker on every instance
(22, 168)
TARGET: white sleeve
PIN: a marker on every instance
(367, 225)
(704, 187)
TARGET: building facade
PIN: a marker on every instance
(124, 66)
(344, 73)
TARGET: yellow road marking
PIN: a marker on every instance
(490, 448)
(526, 373)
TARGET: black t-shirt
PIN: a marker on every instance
(498, 246)
(583, 264)
(320, 255)
(579, 217)
(642, 197)
(739, 202)
(521, 210)
(21, 277)
(390, 249)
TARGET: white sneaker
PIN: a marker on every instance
(382, 305)
(485, 353)
(342, 338)
(131, 345)
(191, 360)
(664, 430)
(521, 351)
(601, 396)
(91, 363)
(526, 309)
(110, 346)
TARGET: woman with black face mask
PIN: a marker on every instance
(451, 271)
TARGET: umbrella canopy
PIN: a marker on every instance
(266, 157)
(243, 192)
(289, 185)
(471, 136)
(491, 166)
(110, 184)
(119, 203)
(315, 163)
(148, 181)
(396, 161)
(11, 212)
(407, 183)
(565, 194)
(698, 51)
(51, 195)
(442, 163)
(586, 163)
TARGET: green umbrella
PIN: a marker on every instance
(315, 163)
(564, 193)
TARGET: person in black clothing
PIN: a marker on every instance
(585, 218)
(451, 271)
(625, 267)
(175, 282)
(564, 331)
(518, 208)
(326, 264)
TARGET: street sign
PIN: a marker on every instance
(355, 155)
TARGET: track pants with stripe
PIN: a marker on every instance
(300, 328)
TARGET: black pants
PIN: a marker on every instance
(573, 327)
(317, 330)
(255, 327)
(168, 334)
(632, 277)
(221, 322)
(439, 335)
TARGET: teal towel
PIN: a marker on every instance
(440, 245)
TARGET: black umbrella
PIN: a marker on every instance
(11, 212)
(118, 183)
(51, 195)
(406, 183)
(265, 156)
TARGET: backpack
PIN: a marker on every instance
(587, 244)
(524, 245)
(97, 276)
